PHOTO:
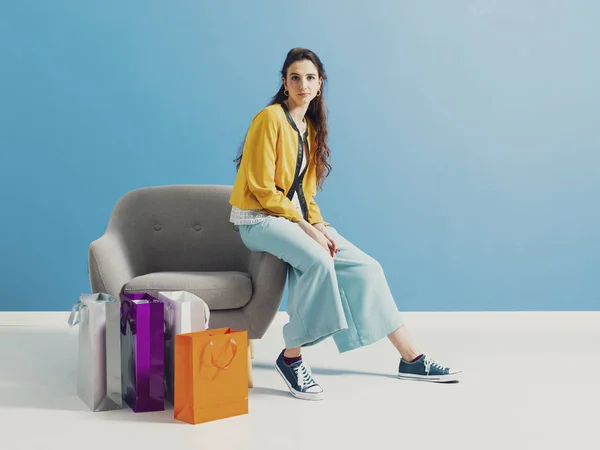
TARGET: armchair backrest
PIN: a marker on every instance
(179, 228)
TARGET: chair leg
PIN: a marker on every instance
(250, 357)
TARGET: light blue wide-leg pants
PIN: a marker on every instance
(347, 298)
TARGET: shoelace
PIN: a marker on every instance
(304, 375)
(430, 362)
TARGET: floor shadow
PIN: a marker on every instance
(433, 382)
(127, 414)
(259, 391)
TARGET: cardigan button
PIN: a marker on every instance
(157, 227)
(197, 228)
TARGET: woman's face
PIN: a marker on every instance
(302, 82)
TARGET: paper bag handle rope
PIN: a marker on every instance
(75, 315)
(234, 349)
(127, 317)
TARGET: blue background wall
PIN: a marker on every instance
(464, 134)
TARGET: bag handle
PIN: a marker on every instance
(169, 316)
(127, 317)
(214, 362)
(75, 315)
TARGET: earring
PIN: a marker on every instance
(288, 93)
(318, 92)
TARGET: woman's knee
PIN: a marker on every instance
(371, 265)
(323, 261)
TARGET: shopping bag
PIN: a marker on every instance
(211, 375)
(184, 313)
(142, 352)
(98, 352)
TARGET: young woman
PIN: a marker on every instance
(335, 289)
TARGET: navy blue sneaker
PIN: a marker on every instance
(299, 380)
(426, 369)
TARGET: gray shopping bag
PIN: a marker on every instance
(99, 351)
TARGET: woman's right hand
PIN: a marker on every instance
(317, 236)
(322, 241)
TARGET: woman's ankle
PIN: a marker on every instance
(412, 356)
(292, 352)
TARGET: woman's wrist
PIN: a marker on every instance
(307, 227)
(304, 224)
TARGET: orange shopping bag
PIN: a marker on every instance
(211, 375)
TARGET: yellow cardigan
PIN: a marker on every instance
(269, 162)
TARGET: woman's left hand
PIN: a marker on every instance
(333, 249)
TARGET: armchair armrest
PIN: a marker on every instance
(109, 265)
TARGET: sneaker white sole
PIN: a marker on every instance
(431, 378)
(300, 395)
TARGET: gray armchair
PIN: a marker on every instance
(171, 238)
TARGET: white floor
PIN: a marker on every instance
(531, 381)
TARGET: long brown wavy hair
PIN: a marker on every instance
(316, 112)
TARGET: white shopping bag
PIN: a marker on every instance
(99, 351)
(184, 313)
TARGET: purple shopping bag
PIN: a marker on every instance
(142, 352)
